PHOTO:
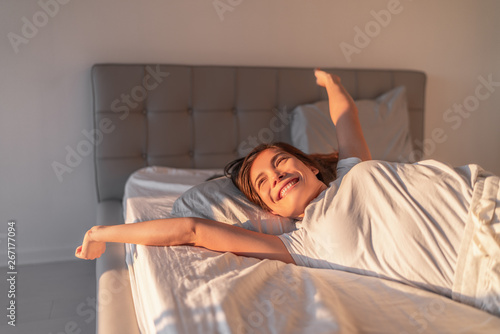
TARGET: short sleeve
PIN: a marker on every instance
(294, 243)
(345, 165)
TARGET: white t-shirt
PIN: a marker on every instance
(396, 221)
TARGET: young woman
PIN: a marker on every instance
(424, 224)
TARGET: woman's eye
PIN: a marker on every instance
(280, 160)
(261, 182)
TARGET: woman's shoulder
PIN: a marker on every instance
(345, 165)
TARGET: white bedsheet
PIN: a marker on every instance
(185, 289)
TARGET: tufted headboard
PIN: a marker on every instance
(205, 116)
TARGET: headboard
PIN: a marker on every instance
(205, 116)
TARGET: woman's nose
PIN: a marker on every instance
(278, 177)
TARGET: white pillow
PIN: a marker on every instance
(220, 200)
(385, 124)
(150, 192)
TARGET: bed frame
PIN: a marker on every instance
(199, 117)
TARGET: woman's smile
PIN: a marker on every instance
(287, 185)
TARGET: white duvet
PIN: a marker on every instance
(186, 289)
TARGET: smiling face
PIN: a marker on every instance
(284, 183)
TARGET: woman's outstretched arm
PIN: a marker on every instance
(185, 231)
(344, 114)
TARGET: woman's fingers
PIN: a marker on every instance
(88, 255)
(319, 77)
(78, 252)
(322, 77)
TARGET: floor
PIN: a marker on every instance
(53, 298)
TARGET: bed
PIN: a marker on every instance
(161, 130)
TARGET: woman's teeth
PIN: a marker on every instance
(288, 186)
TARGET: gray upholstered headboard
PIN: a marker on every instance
(205, 116)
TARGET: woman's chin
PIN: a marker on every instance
(293, 211)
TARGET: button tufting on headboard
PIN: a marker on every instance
(195, 116)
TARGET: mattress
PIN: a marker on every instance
(185, 289)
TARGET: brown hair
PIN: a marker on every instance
(239, 169)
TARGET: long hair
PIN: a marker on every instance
(239, 169)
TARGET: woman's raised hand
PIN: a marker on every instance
(90, 249)
(344, 114)
(323, 79)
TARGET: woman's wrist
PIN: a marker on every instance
(93, 233)
(331, 86)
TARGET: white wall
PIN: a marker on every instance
(46, 100)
